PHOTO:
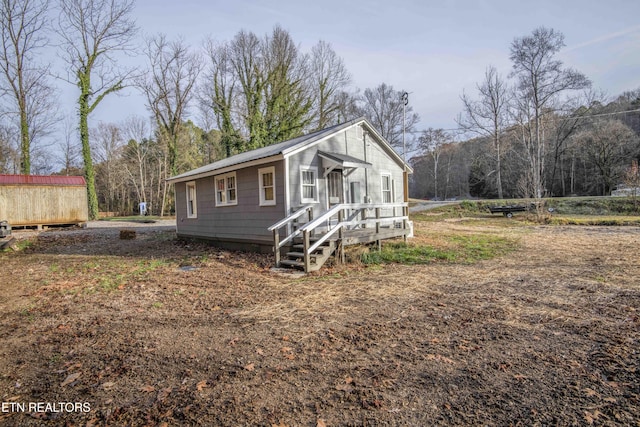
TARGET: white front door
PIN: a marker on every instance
(335, 190)
(335, 193)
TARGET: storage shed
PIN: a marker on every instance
(38, 200)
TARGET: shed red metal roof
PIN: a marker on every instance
(41, 180)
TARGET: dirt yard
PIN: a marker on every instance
(156, 332)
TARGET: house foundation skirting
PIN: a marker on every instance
(263, 247)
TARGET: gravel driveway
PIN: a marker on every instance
(427, 205)
(104, 227)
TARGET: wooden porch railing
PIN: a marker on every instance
(337, 221)
(285, 222)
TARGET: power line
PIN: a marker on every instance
(602, 114)
(590, 116)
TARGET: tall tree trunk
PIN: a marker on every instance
(164, 188)
(498, 163)
(537, 170)
(89, 173)
(25, 142)
(572, 186)
(435, 177)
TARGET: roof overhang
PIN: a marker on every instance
(344, 162)
(190, 176)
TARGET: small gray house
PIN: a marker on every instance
(304, 197)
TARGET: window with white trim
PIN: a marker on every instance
(226, 189)
(387, 195)
(192, 204)
(267, 179)
(309, 184)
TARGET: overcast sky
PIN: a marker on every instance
(431, 49)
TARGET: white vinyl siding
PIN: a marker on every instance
(192, 203)
(309, 184)
(226, 190)
(267, 179)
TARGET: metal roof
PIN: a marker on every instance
(280, 151)
(41, 180)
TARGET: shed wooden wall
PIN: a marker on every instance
(28, 205)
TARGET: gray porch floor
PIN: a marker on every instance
(368, 235)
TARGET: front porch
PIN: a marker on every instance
(302, 242)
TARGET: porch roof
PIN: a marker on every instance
(343, 160)
(331, 161)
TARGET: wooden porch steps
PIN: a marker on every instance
(344, 224)
(295, 258)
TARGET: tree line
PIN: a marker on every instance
(542, 131)
(533, 134)
(246, 92)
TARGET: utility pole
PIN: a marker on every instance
(405, 173)
(405, 101)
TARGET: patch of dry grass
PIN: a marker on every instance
(549, 328)
(550, 256)
(595, 220)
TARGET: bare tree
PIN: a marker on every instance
(246, 63)
(609, 145)
(631, 180)
(383, 107)
(135, 155)
(489, 115)
(143, 163)
(432, 143)
(22, 35)
(257, 89)
(328, 78)
(562, 126)
(347, 106)
(287, 97)
(8, 154)
(168, 87)
(541, 81)
(107, 146)
(218, 93)
(233, 91)
(69, 157)
(92, 32)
